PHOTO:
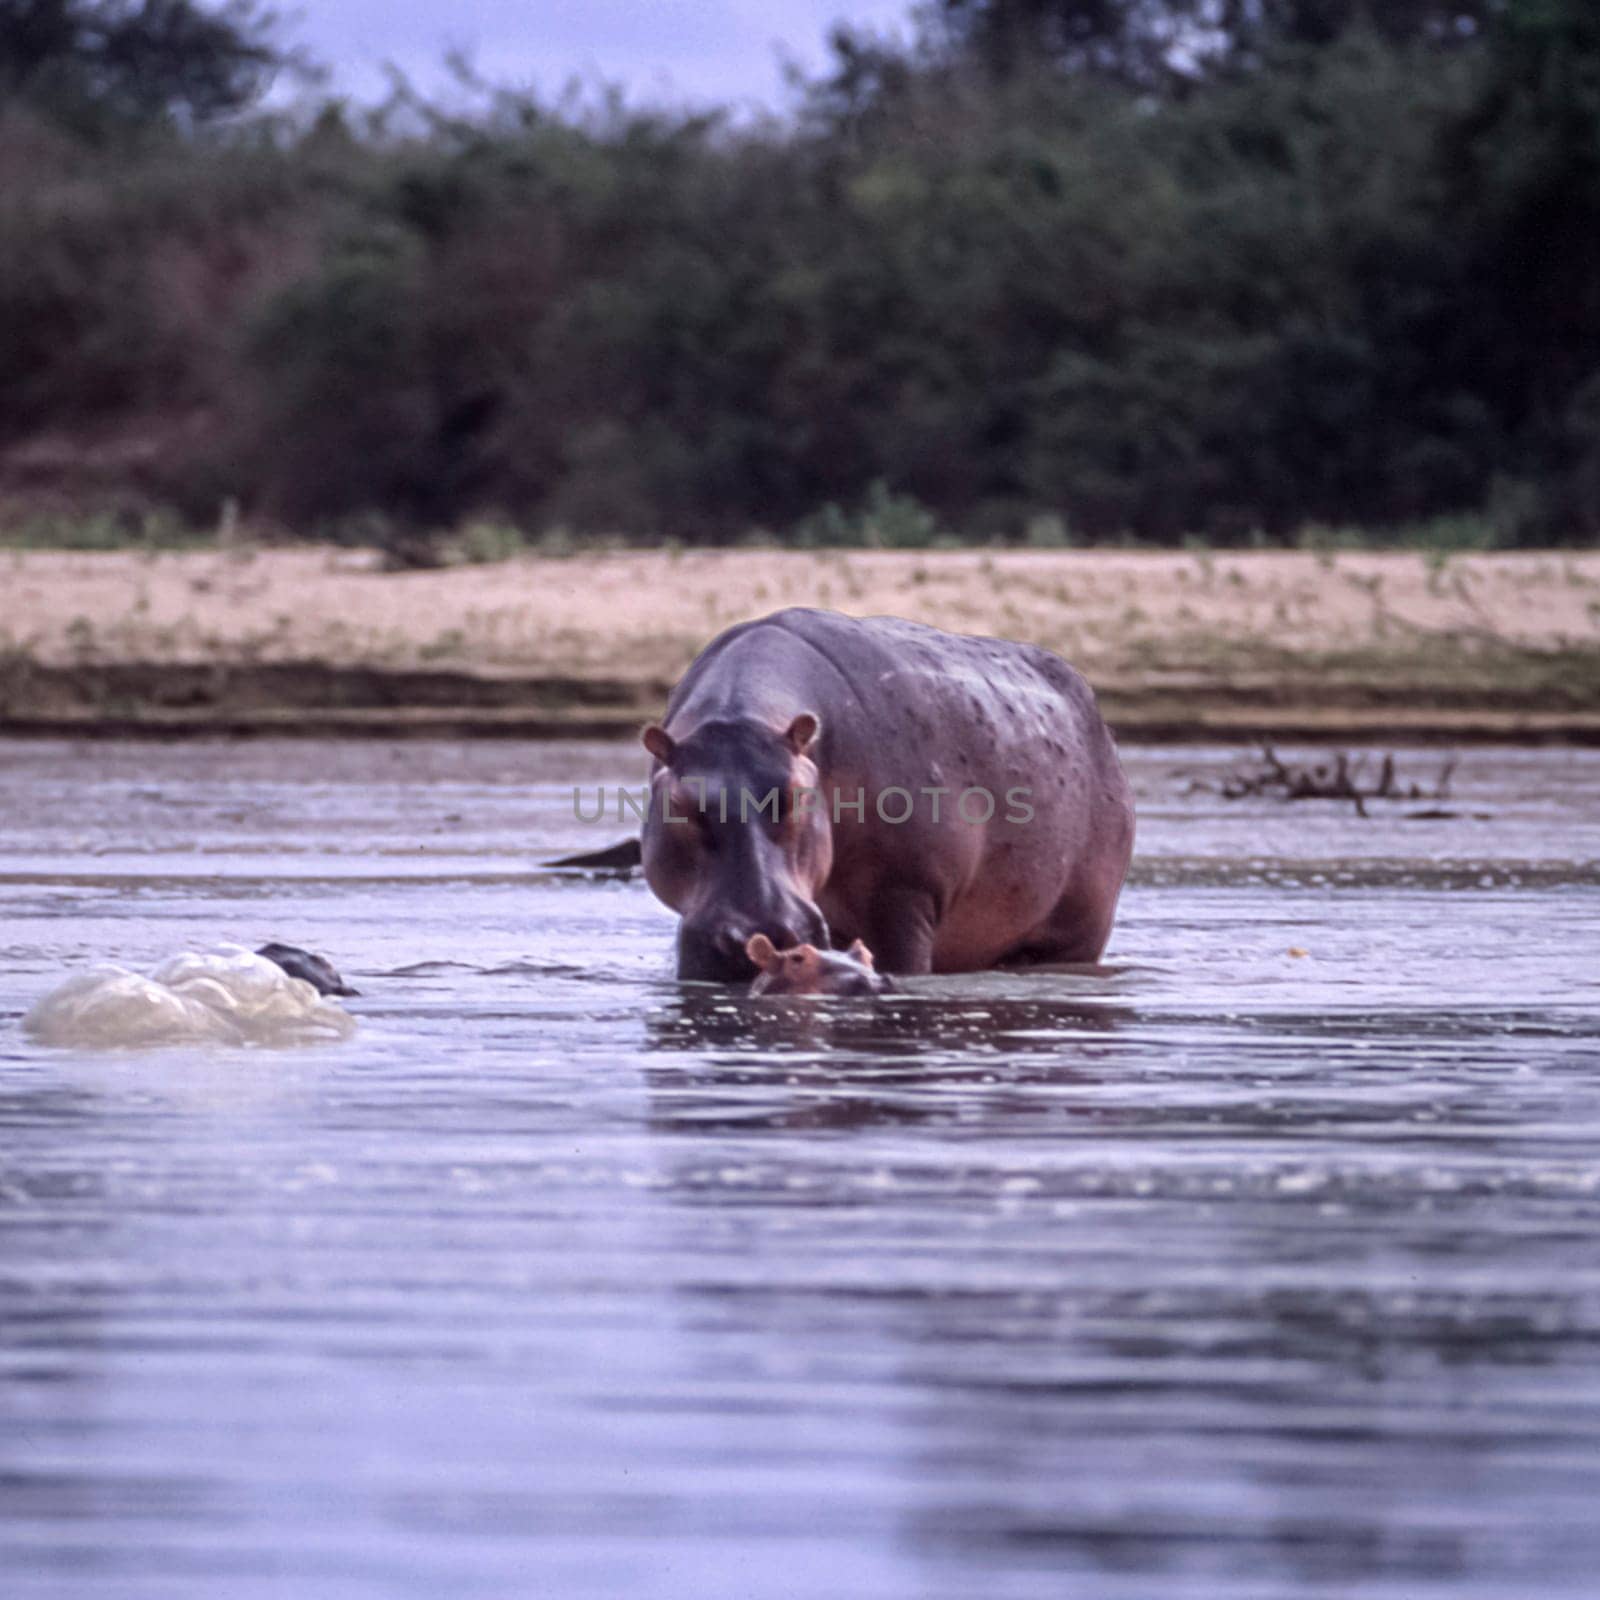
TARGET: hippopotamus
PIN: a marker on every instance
(953, 802)
(317, 970)
(804, 969)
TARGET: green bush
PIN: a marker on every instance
(1346, 276)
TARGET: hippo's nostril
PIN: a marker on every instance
(704, 954)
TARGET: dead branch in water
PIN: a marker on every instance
(1323, 780)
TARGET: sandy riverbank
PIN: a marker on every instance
(1271, 642)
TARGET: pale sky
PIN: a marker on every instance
(680, 51)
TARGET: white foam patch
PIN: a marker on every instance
(228, 996)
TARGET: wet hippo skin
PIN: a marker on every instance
(316, 970)
(968, 808)
(804, 969)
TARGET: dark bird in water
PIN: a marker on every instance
(318, 971)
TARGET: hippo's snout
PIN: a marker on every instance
(711, 955)
(805, 970)
(714, 951)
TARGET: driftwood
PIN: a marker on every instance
(1338, 779)
(621, 857)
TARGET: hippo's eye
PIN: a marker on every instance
(690, 819)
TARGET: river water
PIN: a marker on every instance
(1222, 1272)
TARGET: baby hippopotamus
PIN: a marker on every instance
(808, 970)
(318, 971)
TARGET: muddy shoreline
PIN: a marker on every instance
(1181, 647)
(156, 700)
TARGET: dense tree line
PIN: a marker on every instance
(1161, 267)
(103, 67)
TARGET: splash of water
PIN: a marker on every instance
(227, 996)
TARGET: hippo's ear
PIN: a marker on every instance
(658, 742)
(803, 733)
(859, 952)
(761, 950)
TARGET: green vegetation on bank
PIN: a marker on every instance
(1051, 271)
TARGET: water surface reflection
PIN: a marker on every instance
(1218, 1273)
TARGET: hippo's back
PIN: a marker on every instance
(930, 681)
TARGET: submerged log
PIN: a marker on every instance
(1338, 779)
